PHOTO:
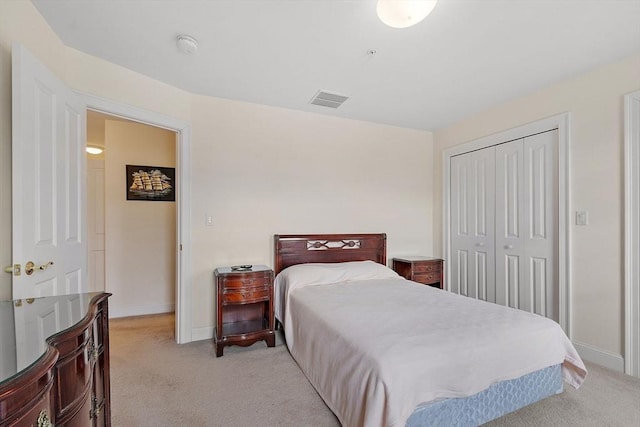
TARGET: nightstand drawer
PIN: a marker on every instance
(245, 282)
(427, 277)
(420, 267)
(246, 296)
(425, 270)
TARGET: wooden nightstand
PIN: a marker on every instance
(425, 270)
(244, 307)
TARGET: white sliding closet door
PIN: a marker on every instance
(504, 210)
(472, 224)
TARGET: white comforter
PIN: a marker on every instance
(376, 349)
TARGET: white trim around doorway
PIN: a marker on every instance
(562, 123)
(183, 303)
(632, 233)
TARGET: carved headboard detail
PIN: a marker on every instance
(292, 249)
(320, 245)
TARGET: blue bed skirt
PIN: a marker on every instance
(499, 399)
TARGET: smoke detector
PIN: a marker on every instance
(187, 44)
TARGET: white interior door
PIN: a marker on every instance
(472, 224)
(541, 295)
(526, 224)
(503, 222)
(510, 242)
(49, 184)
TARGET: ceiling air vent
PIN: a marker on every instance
(328, 99)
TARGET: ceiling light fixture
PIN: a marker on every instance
(94, 149)
(404, 13)
(187, 44)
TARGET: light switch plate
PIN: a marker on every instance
(208, 220)
(582, 217)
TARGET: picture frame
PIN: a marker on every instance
(151, 183)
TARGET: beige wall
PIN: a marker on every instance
(257, 170)
(261, 171)
(140, 238)
(595, 101)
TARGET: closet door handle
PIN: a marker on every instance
(508, 246)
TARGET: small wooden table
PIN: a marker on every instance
(421, 269)
(244, 307)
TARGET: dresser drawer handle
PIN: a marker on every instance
(247, 281)
(43, 419)
(94, 412)
(92, 352)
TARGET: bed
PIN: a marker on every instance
(384, 351)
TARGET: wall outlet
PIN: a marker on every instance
(582, 217)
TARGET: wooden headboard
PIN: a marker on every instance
(292, 249)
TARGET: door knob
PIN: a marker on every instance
(30, 267)
(481, 244)
(508, 246)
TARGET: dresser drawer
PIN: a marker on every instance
(420, 267)
(254, 281)
(427, 277)
(246, 296)
(73, 371)
(38, 415)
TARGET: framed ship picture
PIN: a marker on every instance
(153, 183)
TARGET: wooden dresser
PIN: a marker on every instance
(55, 370)
(425, 270)
(244, 301)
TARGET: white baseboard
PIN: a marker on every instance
(140, 310)
(203, 333)
(600, 357)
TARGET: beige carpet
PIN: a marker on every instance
(155, 382)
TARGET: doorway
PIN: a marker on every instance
(131, 233)
(67, 123)
(183, 298)
(632, 234)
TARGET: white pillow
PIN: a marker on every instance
(324, 273)
(301, 275)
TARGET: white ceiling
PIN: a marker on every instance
(466, 56)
